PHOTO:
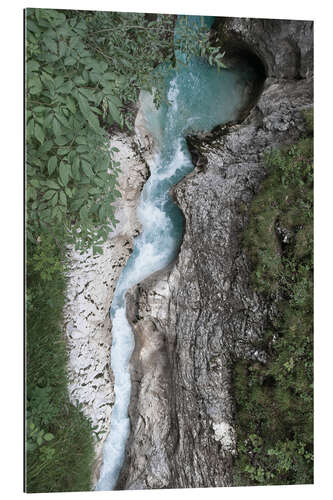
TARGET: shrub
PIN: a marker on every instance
(275, 403)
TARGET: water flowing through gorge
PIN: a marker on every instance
(200, 97)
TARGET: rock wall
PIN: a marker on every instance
(91, 284)
(195, 317)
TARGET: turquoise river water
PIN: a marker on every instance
(200, 97)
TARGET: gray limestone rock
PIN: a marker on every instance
(194, 318)
(90, 287)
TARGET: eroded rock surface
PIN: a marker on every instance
(91, 284)
(195, 317)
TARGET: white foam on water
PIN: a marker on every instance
(114, 446)
(173, 94)
(196, 102)
(152, 251)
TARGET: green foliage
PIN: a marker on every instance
(84, 73)
(274, 401)
(193, 39)
(45, 259)
(59, 439)
(69, 164)
(282, 211)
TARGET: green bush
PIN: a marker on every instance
(84, 72)
(274, 401)
(59, 439)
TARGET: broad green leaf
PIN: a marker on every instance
(52, 165)
(48, 195)
(109, 76)
(94, 122)
(50, 44)
(62, 48)
(40, 109)
(45, 148)
(39, 133)
(76, 168)
(62, 119)
(79, 80)
(115, 113)
(57, 128)
(63, 198)
(61, 140)
(88, 93)
(64, 172)
(35, 183)
(84, 213)
(30, 128)
(35, 86)
(48, 436)
(31, 193)
(81, 139)
(97, 250)
(62, 151)
(115, 100)
(52, 184)
(54, 200)
(66, 88)
(32, 65)
(83, 105)
(71, 104)
(69, 61)
(83, 149)
(87, 169)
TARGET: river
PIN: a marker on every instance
(200, 97)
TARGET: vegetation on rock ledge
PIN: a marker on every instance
(274, 401)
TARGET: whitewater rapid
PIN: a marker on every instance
(199, 98)
(154, 248)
